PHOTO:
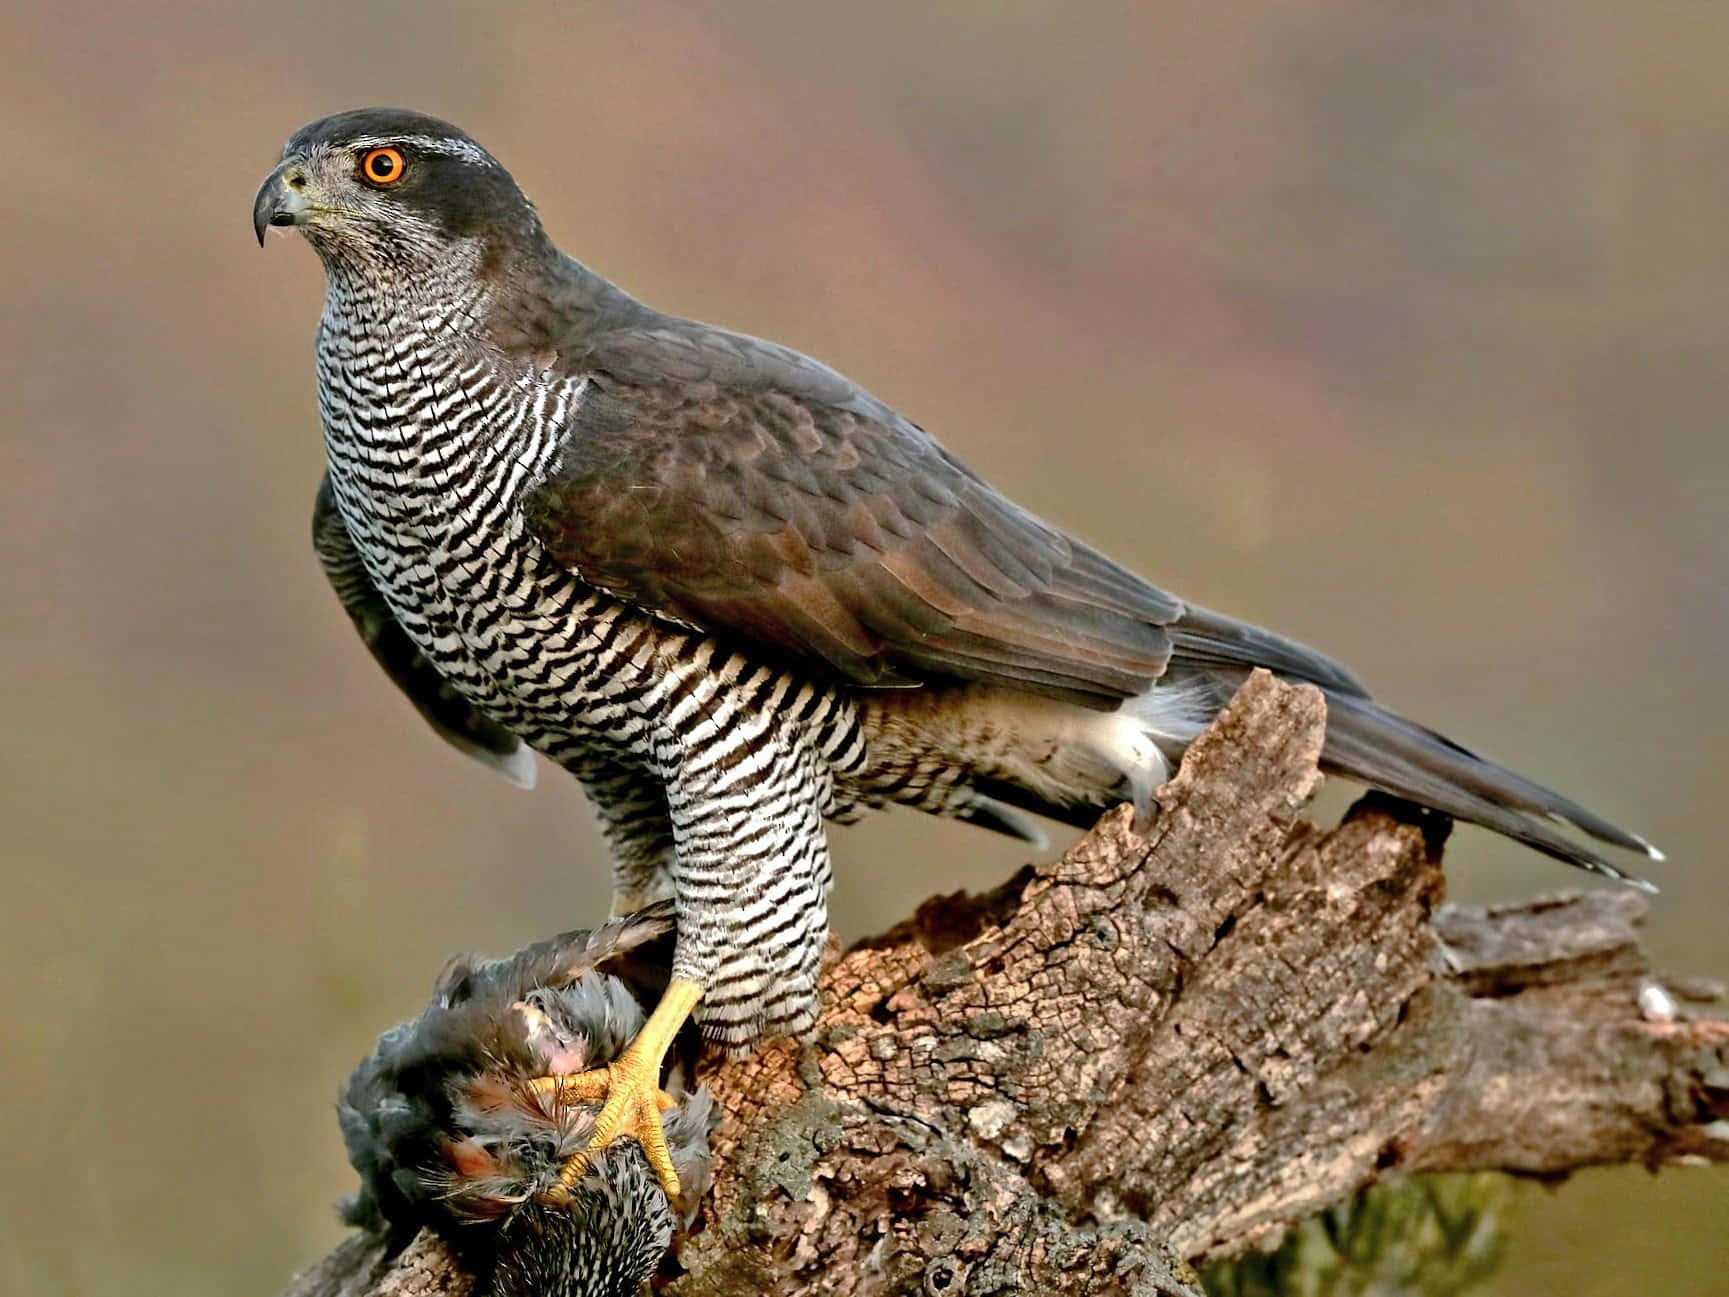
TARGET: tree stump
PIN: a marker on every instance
(1166, 1049)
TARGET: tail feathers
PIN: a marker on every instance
(1207, 639)
(1106, 756)
(989, 813)
(1077, 814)
(515, 763)
(1068, 762)
(1366, 742)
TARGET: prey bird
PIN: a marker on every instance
(732, 592)
(458, 1121)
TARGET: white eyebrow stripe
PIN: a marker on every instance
(427, 144)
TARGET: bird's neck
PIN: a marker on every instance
(418, 400)
(526, 300)
(374, 289)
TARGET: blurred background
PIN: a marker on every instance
(1398, 327)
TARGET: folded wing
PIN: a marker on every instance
(837, 534)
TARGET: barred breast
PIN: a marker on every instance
(431, 444)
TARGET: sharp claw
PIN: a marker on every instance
(627, 1112)
(669, 1184)
(634, 1099)
(640, 1119)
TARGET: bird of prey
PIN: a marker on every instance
(731, 591)
(457, 1122)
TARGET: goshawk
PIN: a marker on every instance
(731, 591)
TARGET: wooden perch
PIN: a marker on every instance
(1163, 1050)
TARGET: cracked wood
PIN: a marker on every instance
(1163, 1050)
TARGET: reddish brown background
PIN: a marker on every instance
(1399, 327)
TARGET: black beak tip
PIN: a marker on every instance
(273, 205)
(280, 220)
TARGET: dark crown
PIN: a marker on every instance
(341, 129)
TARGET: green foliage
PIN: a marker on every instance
(1436, 1236)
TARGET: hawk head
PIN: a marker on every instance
(377, 188)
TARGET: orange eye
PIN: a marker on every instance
(382, 166)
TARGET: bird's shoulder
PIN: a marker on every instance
(691, 430)
(581, 325)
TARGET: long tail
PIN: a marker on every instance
(1365, 742)
(1069, 762)
(1369, 743)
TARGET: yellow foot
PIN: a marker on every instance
(632, 1108)
(631, 1086)
(586, 1087)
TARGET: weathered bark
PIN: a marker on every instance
(1166, 1049)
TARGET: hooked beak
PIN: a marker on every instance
(280, 200)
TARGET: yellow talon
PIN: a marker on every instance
(582, 1087)
(587, 1087)
(634, 1099)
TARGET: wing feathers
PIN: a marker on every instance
(735, 486)
(828, 533)
(967, 553)
(449, 713)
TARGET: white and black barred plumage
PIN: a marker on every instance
(445, 1131)
(729, 590)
